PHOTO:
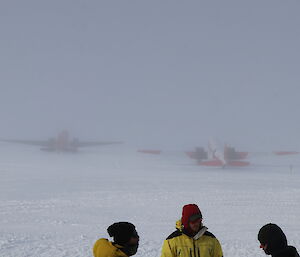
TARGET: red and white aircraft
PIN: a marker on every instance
(220, 156)
(62, 143)
(215, 156)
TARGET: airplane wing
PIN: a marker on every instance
(95, 143)
(149, 151)
(26, 142)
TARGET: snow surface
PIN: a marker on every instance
(58, 205)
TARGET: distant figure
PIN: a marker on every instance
(273, 241)
(125, 243)
(191, 239)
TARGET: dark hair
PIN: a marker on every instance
(272, 236)
(122, 232)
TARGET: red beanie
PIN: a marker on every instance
(188, 211)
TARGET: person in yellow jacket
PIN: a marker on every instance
(125, 241)
(191, 238)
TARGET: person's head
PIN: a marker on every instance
(124, 234)
(271, 238)
(191, 218)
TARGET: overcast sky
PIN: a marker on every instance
(168, 73)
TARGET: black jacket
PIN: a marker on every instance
(289, 251)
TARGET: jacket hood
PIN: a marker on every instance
(272, 236)
(179, 225)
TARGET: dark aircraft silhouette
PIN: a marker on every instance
(62, 143)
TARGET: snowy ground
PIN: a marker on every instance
(59, 204)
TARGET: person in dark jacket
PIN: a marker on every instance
(125, 241)
(273, 241)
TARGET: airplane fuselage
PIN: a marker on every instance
(61, 143)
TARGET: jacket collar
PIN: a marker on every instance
(200, 233)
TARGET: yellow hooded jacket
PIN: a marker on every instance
(105, 248)
(203, 244)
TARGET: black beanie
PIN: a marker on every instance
(122, 232)
(272, 236)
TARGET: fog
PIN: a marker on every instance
(168, 74)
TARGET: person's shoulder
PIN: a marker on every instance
(292, 251)
(102, 241)
(209, 234)
(104, 244)
(176, 233)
